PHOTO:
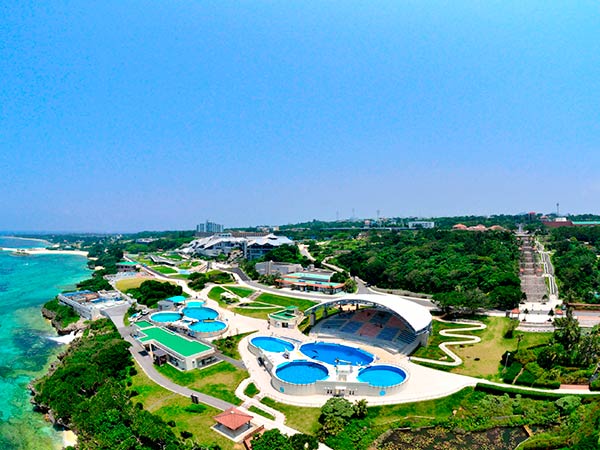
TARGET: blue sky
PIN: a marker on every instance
(129, 115)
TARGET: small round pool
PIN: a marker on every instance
(208, 327)
(272, 344)
(336, 353)
(301, 372)
(200, 313)
(382, 375)
(165, 317)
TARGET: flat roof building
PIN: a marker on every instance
(311, 281)
(181, 352)
(88, 304)
(271, 268)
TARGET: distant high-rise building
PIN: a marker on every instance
(209, 227)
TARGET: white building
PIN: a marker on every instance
(252, 247)
(417, 224)
(271, 268)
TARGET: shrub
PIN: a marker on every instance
(568, 404)
(512, 371)
(526, 379)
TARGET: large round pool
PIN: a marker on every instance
(272, 344)
(301, 372)
(382, 375)
(336, 353)
(208, 327)
(165, 317)
(201, 313)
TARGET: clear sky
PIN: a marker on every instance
(127, 115)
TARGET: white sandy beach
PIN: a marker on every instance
(45, 251)
(69, 438)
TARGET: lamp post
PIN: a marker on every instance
(506, 361)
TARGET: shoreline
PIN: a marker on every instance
(69, 437)
(26, 238)
(44, 251)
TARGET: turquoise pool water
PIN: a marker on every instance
(301, 372)
(207, 327)
(195, 304)
(26, 345)
(201, 313)
(176, 299)
(336, 353)
(272, 344)
(163, 317)
(382, 375)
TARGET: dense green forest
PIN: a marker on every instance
(151, 292)
(576, 262)
(481, 266)
(87, 392)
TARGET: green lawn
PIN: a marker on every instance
(285, 301)
(165, 270)
(131, 283)
(256, 313)
(251, 390)
(259, 305)
(180, 276)
(263, 300)
(303, 419)
(256, 410)
(196, 419)
(482, 360)
(241, 291)
(215, 294)
(219, 380)
(278, 301)
(432, 351)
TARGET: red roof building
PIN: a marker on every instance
(233, 418)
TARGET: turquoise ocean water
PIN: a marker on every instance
(26, 283)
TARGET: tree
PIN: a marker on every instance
(303, 442)
(337, 407)
(567, 331)
(360, 409)
(271, 440)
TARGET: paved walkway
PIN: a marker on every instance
(466, 339)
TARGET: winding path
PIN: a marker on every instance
(466, 339)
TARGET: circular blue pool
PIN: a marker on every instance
(165, 317)
(272, 344)
(301, 372)
(201, 313)
(382, 375)
(336, 353)
(208, 327)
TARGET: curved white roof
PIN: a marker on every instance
(416, 315)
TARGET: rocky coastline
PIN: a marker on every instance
(62, 331)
